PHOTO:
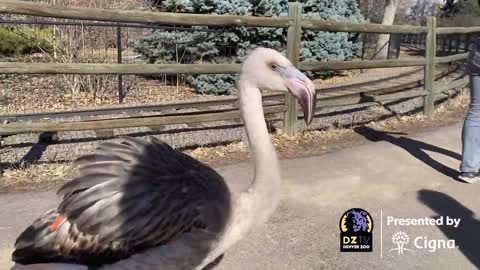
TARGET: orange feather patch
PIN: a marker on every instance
(58, 221)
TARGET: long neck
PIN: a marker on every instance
(266, 182)
(257, 204)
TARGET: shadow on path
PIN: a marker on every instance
(33, 155)
(414, 147)
(466, 236)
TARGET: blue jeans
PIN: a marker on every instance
(471, 127)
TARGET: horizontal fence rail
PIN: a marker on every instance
(451, 58)
(165, 107)
(458, 30)
(104, 69)
(360, 27)
(148, 69)
(345, 65)
(107, 24)
(183, 118)
(132, 16)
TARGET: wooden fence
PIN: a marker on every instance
(287, 106)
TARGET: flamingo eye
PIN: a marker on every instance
(274, 66)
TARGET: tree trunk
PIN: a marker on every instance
(388, 18)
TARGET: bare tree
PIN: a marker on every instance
(388, 19)
(420, 11)
(80, 43)
(372, 9)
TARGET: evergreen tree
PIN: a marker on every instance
(231, 44)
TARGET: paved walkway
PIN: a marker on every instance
(396, 176)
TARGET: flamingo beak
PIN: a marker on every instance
(303, 89)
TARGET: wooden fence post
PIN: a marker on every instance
(293, 53)
(430, 54)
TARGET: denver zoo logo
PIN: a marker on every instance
(356, 231)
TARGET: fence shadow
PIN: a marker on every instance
(33, 155)
(414, 147)
(36, 151)
(466, 236)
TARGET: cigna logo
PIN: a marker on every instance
(401, 240)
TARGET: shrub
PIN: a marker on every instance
(24, 40)
(231, 44)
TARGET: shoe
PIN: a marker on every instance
(470, 177)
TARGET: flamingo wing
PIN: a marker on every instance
(126, 197)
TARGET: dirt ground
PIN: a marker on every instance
(48, 176)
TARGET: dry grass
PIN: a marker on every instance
(460, 101)
(282, 141)
(49, 93)
(207, 154)
(35, 176)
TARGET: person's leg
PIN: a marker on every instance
(471, 131)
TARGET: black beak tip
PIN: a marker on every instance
(310, 114)
(308, 121)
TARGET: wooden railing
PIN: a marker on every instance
(293, 22)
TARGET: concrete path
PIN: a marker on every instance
(393, 177)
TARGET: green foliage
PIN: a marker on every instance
(18, 41)
(231, 44)
(218, 84)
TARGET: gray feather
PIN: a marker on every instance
(127, 197)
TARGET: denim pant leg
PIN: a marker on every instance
(471, 128)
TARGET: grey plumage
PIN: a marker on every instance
(127, 197)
